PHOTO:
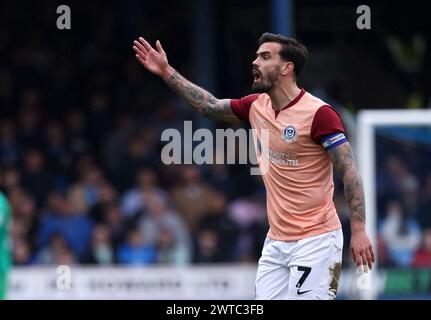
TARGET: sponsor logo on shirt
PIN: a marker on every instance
(280, 158)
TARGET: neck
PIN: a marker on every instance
(282, 95)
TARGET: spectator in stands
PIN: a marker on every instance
(36, 177)
(101, 250)
(99, 116)
(115, 147)
(92, 180)
(158, 217)
(248, 213)
(56, 250)
(167, 116)
(21, 253)
(24, 212)
(424, 210)
(107, 196)
(218, 220)
(135, 251)
(401, 234)
(76, 133)
(397, 181)
(18, 231)
(220, 177)
(190, 196)
(68, 217)
(11, 179)
(207, 247)
(141, 152)
(133, 200)
(9, 148)
(65, 256)
(29, 120)
(422, 258)
(7, 82)
(56, 149)
(169, 251)
(114, 219)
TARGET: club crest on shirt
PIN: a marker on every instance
(289, 134)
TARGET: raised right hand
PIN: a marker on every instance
(155, 61)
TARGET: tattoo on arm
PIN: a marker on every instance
(344, 163)
(200, 99)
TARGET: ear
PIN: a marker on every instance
(287, 67)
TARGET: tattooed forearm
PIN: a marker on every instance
(218, 109)
(342, 158)
(182, 87)
(200, 99)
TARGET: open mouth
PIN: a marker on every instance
(256, 75)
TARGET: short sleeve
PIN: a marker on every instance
(241, 107)
(326, 122)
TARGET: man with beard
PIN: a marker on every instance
(301, 257)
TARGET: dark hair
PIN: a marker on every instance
(291, 49)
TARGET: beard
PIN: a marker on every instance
(265, 85)
(261, 87)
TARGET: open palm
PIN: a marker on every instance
(155, 61)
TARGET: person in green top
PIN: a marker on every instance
(5, 254)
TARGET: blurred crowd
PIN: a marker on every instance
(404, 204)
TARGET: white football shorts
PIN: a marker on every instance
(307, 269)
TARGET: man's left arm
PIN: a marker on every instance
(344, 163)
